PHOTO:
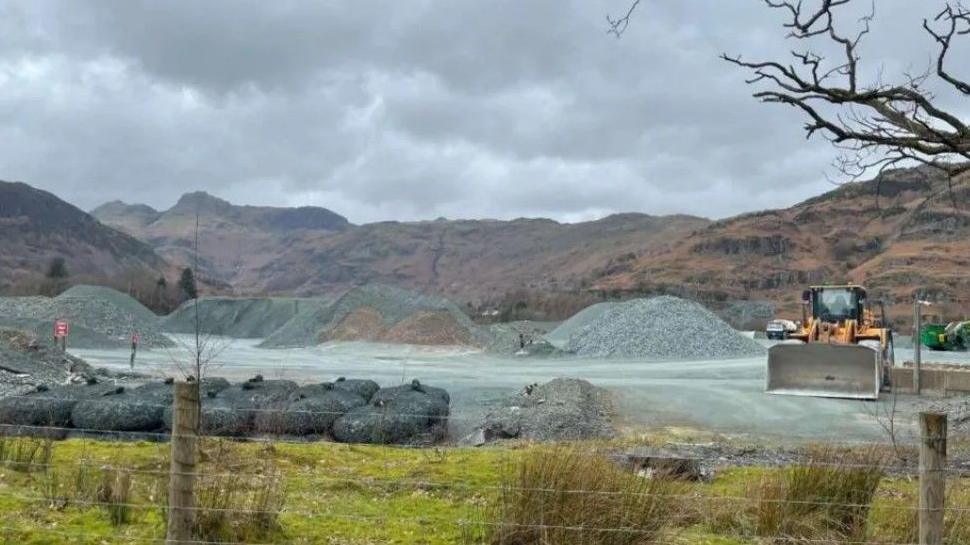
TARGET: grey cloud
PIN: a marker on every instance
(411, 110)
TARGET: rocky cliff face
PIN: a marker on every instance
(913, 235)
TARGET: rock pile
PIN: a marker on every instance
(660, 328)
(99, 317)
(381, 313)
(562, 409)
(245, 318)
(27, 362)
(559, 336)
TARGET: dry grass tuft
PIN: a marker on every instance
(26, 454)
(241, 500)
(829, 497)
(564, 495)
(114, 495)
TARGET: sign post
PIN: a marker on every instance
(61, 330)
(134, 346)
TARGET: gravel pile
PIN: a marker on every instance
(559, 336)
(99, 317)
(521, 337)
(377, 312)
(27, 362)
(661, 329)
(244, 318)
(562, 409)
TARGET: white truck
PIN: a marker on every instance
(780, 329)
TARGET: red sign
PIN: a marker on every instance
(61, 329)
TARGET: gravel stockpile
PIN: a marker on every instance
(245, 318)
(109, 314)
(561, 409)
(559, 336)
(521, 337)
(381, 313)
(437, 327)
(660, 328)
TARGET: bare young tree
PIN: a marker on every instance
(198, 355)
(874, 124)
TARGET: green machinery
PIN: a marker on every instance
(951, 336)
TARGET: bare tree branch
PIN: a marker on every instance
(618, 25)
(874, 125)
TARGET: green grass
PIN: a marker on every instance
(358, 495)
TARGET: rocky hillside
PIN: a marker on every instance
(233, 240)
(36, 226)
(311, 251)
(916, 236)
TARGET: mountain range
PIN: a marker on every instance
(904, 232)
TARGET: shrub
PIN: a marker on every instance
(563, 496)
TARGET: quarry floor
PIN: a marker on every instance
(721, 396)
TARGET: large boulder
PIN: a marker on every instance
(310, 410)
(409, 414)
(48, 406)
(562, 409)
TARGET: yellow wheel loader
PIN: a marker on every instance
(840, 349)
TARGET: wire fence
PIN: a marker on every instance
(488, 495)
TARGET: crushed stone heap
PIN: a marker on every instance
(380, 313)
(661, 329)
(99, 317)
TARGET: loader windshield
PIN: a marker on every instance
(836, 305)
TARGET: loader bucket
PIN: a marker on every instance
(824, 370)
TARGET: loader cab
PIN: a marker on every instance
(836, 304)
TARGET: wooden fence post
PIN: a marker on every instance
(181, 488)
(932, 479)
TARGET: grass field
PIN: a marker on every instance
(96, 492)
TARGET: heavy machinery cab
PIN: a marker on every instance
(839, 313)
(836, 304)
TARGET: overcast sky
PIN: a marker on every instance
(413, 109)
